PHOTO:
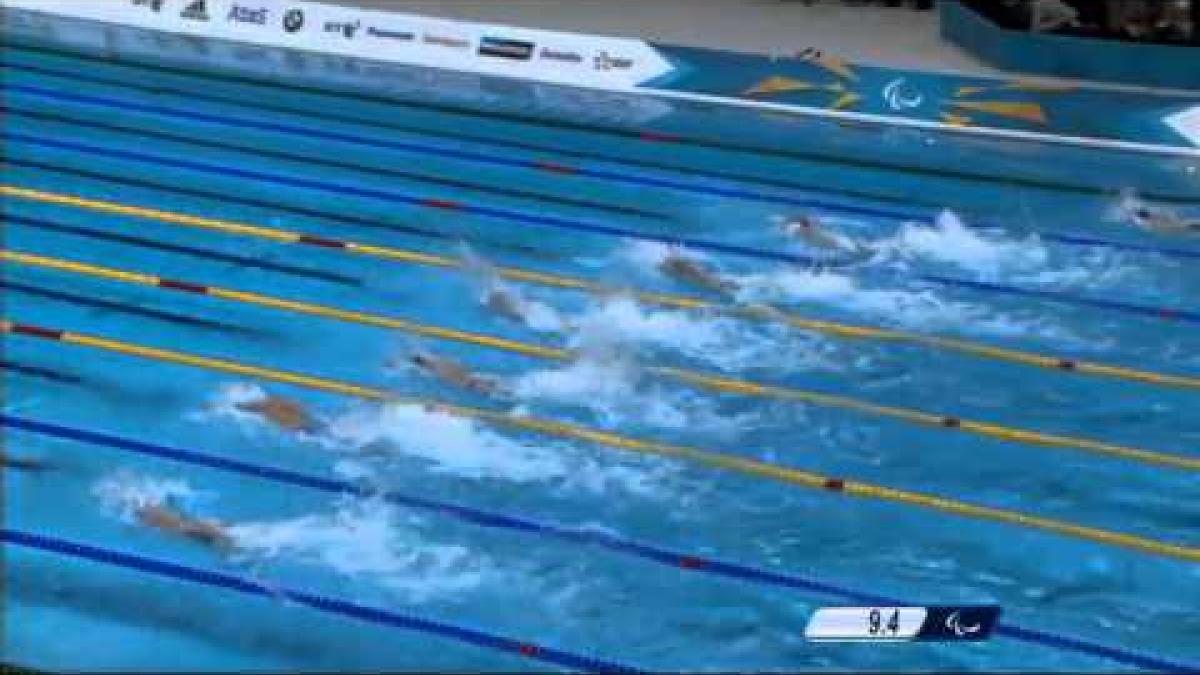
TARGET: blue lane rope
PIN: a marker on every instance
(392, 196)
(390, 125)
(454, 153)
(562, 223)
(321, 603)
(569, 224)
(877, 212)
(671, 558)
(622, 131)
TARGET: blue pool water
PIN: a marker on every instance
(585, 204)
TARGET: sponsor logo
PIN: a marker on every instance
(196, 10)
(390, 34)
(555, 55)
(346, 28)
(518, 50)
(605, 61)
(453, 43)
(293, 20)
(242, 14)
(155, 5)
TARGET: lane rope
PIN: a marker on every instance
(180, 249)
(683, 561)
(444, 151)
(572, 224)
(732, 463)
(326, 161)
(673, 301)
(276, 208)
(326, 604)
(538, 165)
(651, 137)
(700, 380)
(461, 134)
(437, 203)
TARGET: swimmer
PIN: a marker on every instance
(809, 230)
(680, 267)
(282, 412)
(207, 532)
(1157, 219)
(21, 463)
(504, 302)
(454, 373)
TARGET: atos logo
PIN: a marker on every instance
(293, 20)
(242, 14)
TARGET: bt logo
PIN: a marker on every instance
(293, 20)
(347, 29)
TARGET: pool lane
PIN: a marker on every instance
(324, 272)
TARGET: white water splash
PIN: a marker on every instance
(223, 406)
(619, 322)
(123, 493)
(536, 315)
(648, 255)
(367, 540)
(949, 241)
(452, 444)
(921, 310)
(371, 435)
(620, 395)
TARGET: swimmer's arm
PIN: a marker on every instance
(209, 532)
(22, 463)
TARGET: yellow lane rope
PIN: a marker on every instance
(733, 463)
(758, 312)
(696, 379)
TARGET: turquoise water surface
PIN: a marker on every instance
(585, 205)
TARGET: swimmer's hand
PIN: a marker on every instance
(24, 463)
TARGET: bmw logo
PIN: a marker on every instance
(293, 20)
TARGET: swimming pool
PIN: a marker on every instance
(994, 415)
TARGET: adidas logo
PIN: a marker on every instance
(197, 10)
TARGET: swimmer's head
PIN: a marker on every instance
(420, 359)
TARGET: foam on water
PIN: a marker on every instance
(724, 342)
(123, 492)
(620, 394)
(648, 255)
(915, 309)
(222, 406)
(949, 241)
(370, 436)
(1027, 260)
(537, 315)
(371, 541)
(452, 444)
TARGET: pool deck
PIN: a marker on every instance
(893, 37)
